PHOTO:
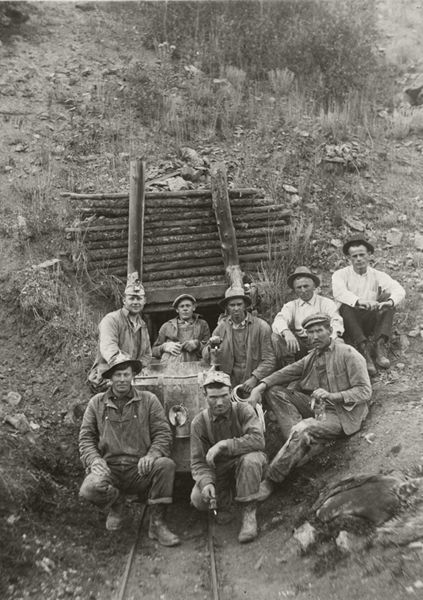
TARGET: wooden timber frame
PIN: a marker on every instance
(195, 241)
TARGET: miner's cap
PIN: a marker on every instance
(217, 377)
(181, 297)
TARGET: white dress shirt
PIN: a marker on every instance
(349, 286)
(293, 314)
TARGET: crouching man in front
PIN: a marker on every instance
(227, 455)
(124, 443)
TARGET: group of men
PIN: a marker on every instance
(316, 384)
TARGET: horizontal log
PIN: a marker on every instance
(157, 257)
(99, 196)
(193, 262)
(103, 236)
(90, 228)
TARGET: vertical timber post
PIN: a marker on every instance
(222, 209)
(136, 218)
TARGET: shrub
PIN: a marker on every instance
(326, 40)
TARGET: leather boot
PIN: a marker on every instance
(248, 531)
(265, 489)
(365, 350)
(382, 360)
(158, 529)
(115, 515)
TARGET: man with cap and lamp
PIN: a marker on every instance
(122, 331)
(289, 337)
(124, 444)
(227, 454)
(244, 343)
(321, 397)
(367, 299)
(182, 338)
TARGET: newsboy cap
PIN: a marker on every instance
(316, 319)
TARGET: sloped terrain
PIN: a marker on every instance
(69, 124)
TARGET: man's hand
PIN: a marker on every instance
(173, 348)
(214, 451)
(145, 464)
(385, 304)
(99, 467)
(291, 341)
(208, 493)
(190, 345)
(215, 340)
(319, 395)
(368, 304)
(255, 396)
(250, 384)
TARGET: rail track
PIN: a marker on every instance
(129, 576)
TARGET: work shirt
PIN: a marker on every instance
(349, 286)
(346, 372)
(260, 358)
(174, 330)
(124, 436)
(293, 314)
(118, 334)
(241, 429)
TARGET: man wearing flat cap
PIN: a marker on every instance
(122, 331)
(321, 397)
(227, 455)
(367, 299)
(289, 336)
(245, 350)
(182, 338)
(124, 444)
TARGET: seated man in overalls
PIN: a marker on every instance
(124, 444)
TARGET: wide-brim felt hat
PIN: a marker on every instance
(358, 241)
(232, 293)
(302, 272)
(181, 297)
(122, 362)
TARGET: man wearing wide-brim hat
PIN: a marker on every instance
(321, 397)
(367, 299)
(124, 443)
(122, 331)
(289, 336)
(245, 350)
(182, 338)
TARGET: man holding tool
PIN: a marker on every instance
(227, 455)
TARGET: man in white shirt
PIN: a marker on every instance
(367, 299)
(289, 336)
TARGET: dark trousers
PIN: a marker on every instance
(245, 471)
(157, 486)
(360, 323)
(283, 357)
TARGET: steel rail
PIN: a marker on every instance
(130, 560)
(213, 568)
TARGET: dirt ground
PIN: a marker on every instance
(53, 545)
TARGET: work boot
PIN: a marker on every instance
(265, 489)
(248, 531)
(364, 349)
(115, 516)
(382, 360)
(158, 529)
